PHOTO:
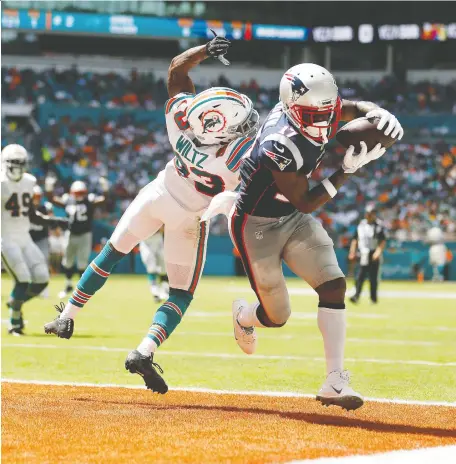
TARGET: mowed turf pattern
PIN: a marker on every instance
(56, 424)
(403, 347)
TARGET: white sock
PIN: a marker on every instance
(248, 317)
(68, 283)
(45, 293)
(154, 289)
(147, 346)
(70, 311)
(332, 325)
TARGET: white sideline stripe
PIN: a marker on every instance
(311, 337)
(232, 355)
(312, 321)
(382, 294)
(294, 315)
(277, 394)
(438, 455)
(308, 337)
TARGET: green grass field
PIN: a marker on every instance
(404, 347)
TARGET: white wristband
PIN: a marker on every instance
(327, 184)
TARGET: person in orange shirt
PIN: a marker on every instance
(446, 267)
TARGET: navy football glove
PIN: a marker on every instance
(218, 47)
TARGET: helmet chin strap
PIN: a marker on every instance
(316, 133)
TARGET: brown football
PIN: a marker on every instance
(363, 129)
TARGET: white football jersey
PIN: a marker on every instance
(16, 201)
(198, 173)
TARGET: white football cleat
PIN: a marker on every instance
(337, 391)
(245, 336)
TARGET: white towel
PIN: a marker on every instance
(220, 204)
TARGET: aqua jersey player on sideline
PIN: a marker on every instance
(210, 132)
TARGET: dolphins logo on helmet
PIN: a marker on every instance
(298, 88)
(213, 121)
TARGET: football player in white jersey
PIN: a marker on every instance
(21, 257)
(210, 132)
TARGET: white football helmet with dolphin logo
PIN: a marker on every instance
(219, 115)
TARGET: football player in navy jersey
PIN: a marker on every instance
(271, 220)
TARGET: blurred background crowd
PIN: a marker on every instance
(87, 105)
(414, 184)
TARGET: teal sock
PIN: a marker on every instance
(19, 291)
(34, 290)
(168, 315)
(17, 298)
(15, 314)
(96, 274)
(151, 277)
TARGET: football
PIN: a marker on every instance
(363, 129)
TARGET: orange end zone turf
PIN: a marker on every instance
(56, 424)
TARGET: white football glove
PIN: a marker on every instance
(352, 161)
(49, 184)
(104, 184)
(388, 121)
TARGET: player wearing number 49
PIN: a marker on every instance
(210, 132)
(21, 257)
(271, 220)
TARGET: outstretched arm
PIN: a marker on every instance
(388, 122)
(49, 185)
(57, 201)
(36, 217)
(104, 185)
(356, 109)
(178, 78)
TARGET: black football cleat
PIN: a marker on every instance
(137, 363)
(62, 327)
(16, 331)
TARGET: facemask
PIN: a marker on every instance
(319, 129)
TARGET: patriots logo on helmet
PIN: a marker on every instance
(280, 160)
(298, 89)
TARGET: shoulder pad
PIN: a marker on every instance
(178, 100)
(29, 178)
(283, 153)
(236, 150)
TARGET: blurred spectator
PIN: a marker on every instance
(414, 185)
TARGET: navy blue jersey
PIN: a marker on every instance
(80, 214)
(40, 231)
(278, 147)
